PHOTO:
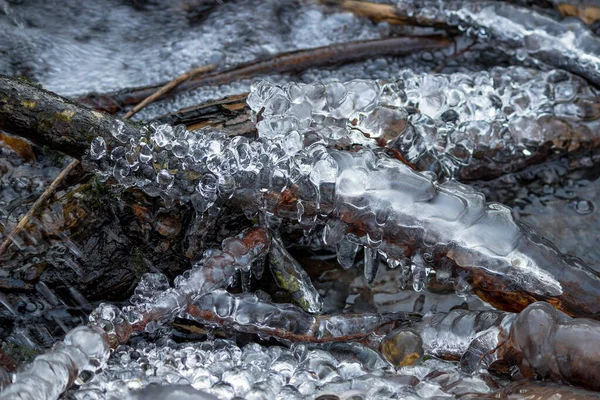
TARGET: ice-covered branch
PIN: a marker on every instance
(558, 347)
(248, 313)
(155, 302)
(83, 349)
(519, 31)
(364, 196)
(471, 126)
(541, 341)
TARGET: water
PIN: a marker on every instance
(321, 176)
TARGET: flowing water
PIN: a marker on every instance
(325, 135)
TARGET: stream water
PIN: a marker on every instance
(76, 47)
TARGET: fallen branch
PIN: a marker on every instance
(230, 113)
(282, 63)
(163, 91)
(506, 263)
(37, 206)
(46, 119)
(515, 30)
(250, 314)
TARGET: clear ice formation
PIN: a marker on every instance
(449, 335)
(221, 368)
(539, 342)
(467, 126)
(521, 32)
(84, 349)
(556, 346)
(249, 313)
(155, 302)
(366, 197)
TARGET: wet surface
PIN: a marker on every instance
(360, 233)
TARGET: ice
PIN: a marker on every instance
(97, 148)
(84, 348)
(324, 171)
(384, 122)
(366, 198)
(169, 392)
(346, 252)
(419, 273)
(584, 207)
(148, 287)
(121, 169)
(119, 132)
(371, 264)
(352, 183)
(162, 135)
(92, 342)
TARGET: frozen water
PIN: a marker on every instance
(443, 122)
(521, 32)
(82, 47)
(447, 118)
(447, 215)
(258, 372)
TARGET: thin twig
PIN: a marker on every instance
(37, 206)
(453, 57)
(168, 87)
(290, 62)
(374, 11)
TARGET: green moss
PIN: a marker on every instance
(137, 260)
(20, 354)
(28, 81)
(290, 284)
(95, 193)
(64, 116)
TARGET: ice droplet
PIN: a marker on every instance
(97, 148)
(346, 252)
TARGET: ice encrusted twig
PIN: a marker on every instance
(84, 349)
(249, 313)
(157, 303)
(557, 346)
(540, 341)
(88, 347)
(281, 63)
(469, 126)
(365, 197)
(518, 31)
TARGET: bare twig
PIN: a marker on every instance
(454, 56)
(374, 11)
(290, 62)
(168, 87)
(38, 204)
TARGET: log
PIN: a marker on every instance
(47, 119)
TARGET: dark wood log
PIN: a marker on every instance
(47, 119)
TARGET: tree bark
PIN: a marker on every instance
(47, 119)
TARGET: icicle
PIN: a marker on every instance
(371, 264)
